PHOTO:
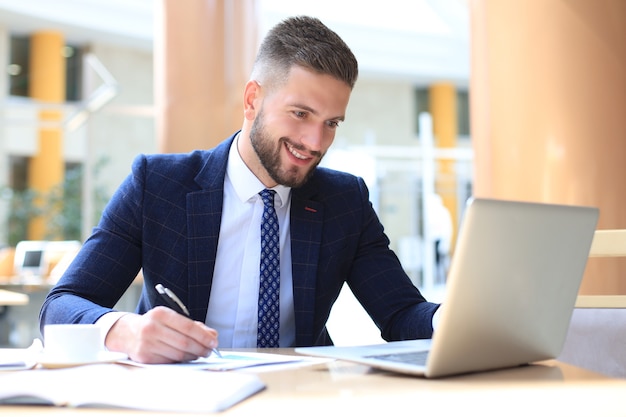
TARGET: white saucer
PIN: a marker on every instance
(103, 357)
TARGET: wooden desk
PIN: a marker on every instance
(11, 298)
(345, 389)
(25, 317)
(7, 300)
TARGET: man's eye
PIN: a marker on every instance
(299, 114)
(333, 123)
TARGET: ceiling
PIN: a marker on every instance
(421, 40)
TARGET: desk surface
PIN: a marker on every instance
(339, 388)
(11, 298)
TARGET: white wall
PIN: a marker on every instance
(124, 127)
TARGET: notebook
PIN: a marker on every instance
(510, 293)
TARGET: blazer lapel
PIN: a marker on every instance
(204, 215)
(306, 235)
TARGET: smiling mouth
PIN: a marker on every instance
(295, 153)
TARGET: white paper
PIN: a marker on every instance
(236, 360)
(112, 385)
(20, 359)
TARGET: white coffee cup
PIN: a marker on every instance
(72, 343)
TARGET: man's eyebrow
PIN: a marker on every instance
(315, 112)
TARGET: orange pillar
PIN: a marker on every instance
(443, 109)
(46, 85)
(204, 51)
(548, 108)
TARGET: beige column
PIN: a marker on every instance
(548, 108)
(443, 109)
(204, 51)
(46, 168)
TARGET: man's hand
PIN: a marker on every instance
(161, 336)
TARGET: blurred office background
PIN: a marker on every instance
(89, 84)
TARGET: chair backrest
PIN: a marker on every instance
(597, 332)
(606, 243)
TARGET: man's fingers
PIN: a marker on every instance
(161, 336)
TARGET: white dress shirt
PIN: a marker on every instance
(233, 302)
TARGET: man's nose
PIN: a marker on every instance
(313, 137)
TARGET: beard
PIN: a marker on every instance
(269, 151)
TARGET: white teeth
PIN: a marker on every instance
(295, 153)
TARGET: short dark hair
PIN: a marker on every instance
(306, 42)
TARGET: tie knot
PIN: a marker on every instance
(268, 197)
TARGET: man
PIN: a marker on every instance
(193, 224)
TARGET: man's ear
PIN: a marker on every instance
(251, 95)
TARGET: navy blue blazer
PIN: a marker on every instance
(165, 218)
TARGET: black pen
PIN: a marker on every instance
(175, 304)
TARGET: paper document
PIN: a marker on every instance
(238, 360)
(112, 385)
(20, 359)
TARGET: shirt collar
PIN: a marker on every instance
(245, 183)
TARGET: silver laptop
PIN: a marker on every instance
(510, 294)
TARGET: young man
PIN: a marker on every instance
(193, 223)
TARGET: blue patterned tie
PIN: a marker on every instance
(269, 309)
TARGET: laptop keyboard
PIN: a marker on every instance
(415, 358)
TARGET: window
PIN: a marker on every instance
(421, 105)
(73, 72)
(422, 98)
(19, 69)
(18, 173)
(18, 66)
(463, 112)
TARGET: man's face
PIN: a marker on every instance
(296, 125)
